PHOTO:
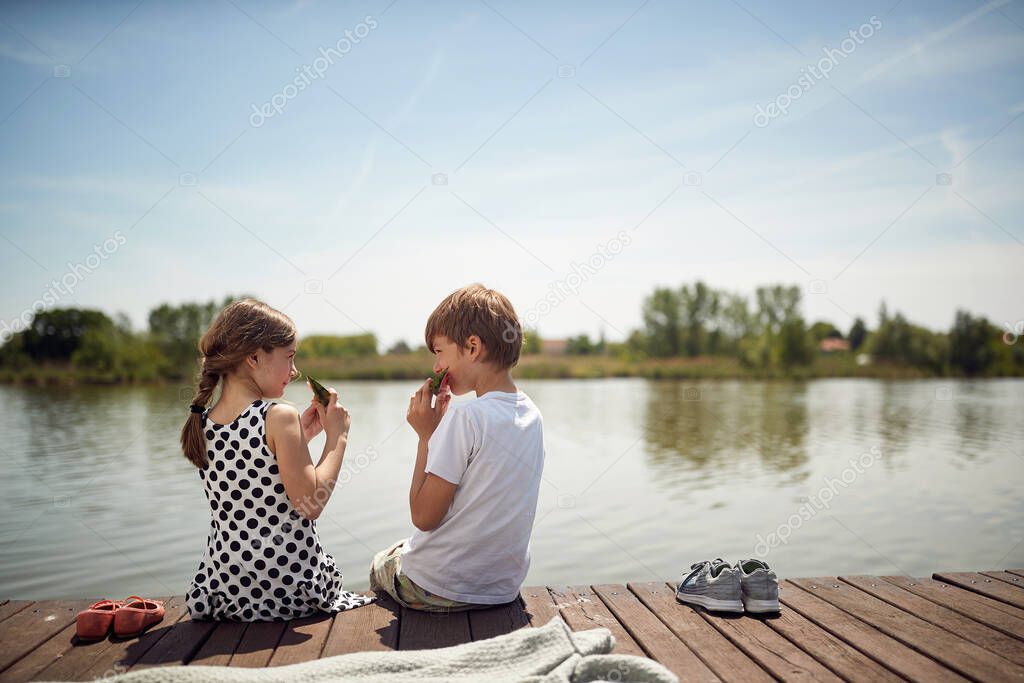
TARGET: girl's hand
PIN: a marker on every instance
(311, 423)
(423, 417)
(334, 417)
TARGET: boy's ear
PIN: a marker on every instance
(474, 346)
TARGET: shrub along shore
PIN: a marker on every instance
(690, 332)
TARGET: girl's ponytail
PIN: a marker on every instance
(193, 443)
(239, 330)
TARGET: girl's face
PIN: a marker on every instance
(273, 370)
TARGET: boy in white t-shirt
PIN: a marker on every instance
(478, 468)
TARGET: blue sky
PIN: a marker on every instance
(512, 143)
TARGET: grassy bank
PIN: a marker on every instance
(591, 367)
(416, 366)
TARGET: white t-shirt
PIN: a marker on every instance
(493, 449)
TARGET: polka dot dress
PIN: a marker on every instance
(263, 560)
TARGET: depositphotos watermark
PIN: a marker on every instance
(821, 501)
(560, 290)
(1013, 332)
(311, 72)
(812, 73)
(65, 286)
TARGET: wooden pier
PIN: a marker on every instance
(953, 626)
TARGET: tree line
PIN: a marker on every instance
(93, 346)
(768, 332)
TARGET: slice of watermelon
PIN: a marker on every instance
(438, 380)
(319, 391)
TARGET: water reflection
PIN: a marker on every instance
(97, 498)
(714, 430)
(897, 413)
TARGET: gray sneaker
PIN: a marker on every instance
(760, 586)
(712, 585)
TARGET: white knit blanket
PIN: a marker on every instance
(551, 652)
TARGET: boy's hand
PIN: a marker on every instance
(311, 425)
(423, 417)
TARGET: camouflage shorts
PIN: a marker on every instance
(386, 575)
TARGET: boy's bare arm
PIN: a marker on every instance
(430, 496)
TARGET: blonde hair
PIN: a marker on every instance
(487, 313)
(238, 331)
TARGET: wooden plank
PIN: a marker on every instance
(12, 607)
(32, 626)
(985, 585)
(1008, 577)
(119, 655)
(178, 646)
(303, 639)
(41, 657)
(998, 615)
(538, 605)
(372, 627)
(257, 644)
(1006, 646)
(431, 630)
(657, 641)
(715, 650)
(880, 647)
(68, 665)
(221, 644)
(941, 645)
(498, 620)
(1018, 572)
(843, 659)
(583, 610)
(781, 658)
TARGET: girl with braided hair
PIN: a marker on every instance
(263, 559)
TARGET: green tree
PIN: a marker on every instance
(115, 353)
(698, 307)
(858, 333)
(334, 346)
(531, 342)
(824, 330)
(794, 346)
(783, 334)
(399, 348)
(635, 347)
(12, 354)
(176, 331)
(898, 341)
(734, 321)
(580, 346)
(56, 334)
(662, 323)
(601, 347)
(970, 344)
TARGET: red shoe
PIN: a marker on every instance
(135, 615)
(94, 623)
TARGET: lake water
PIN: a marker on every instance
(642, 479)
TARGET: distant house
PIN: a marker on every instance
(833, 344)
(554, 347)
